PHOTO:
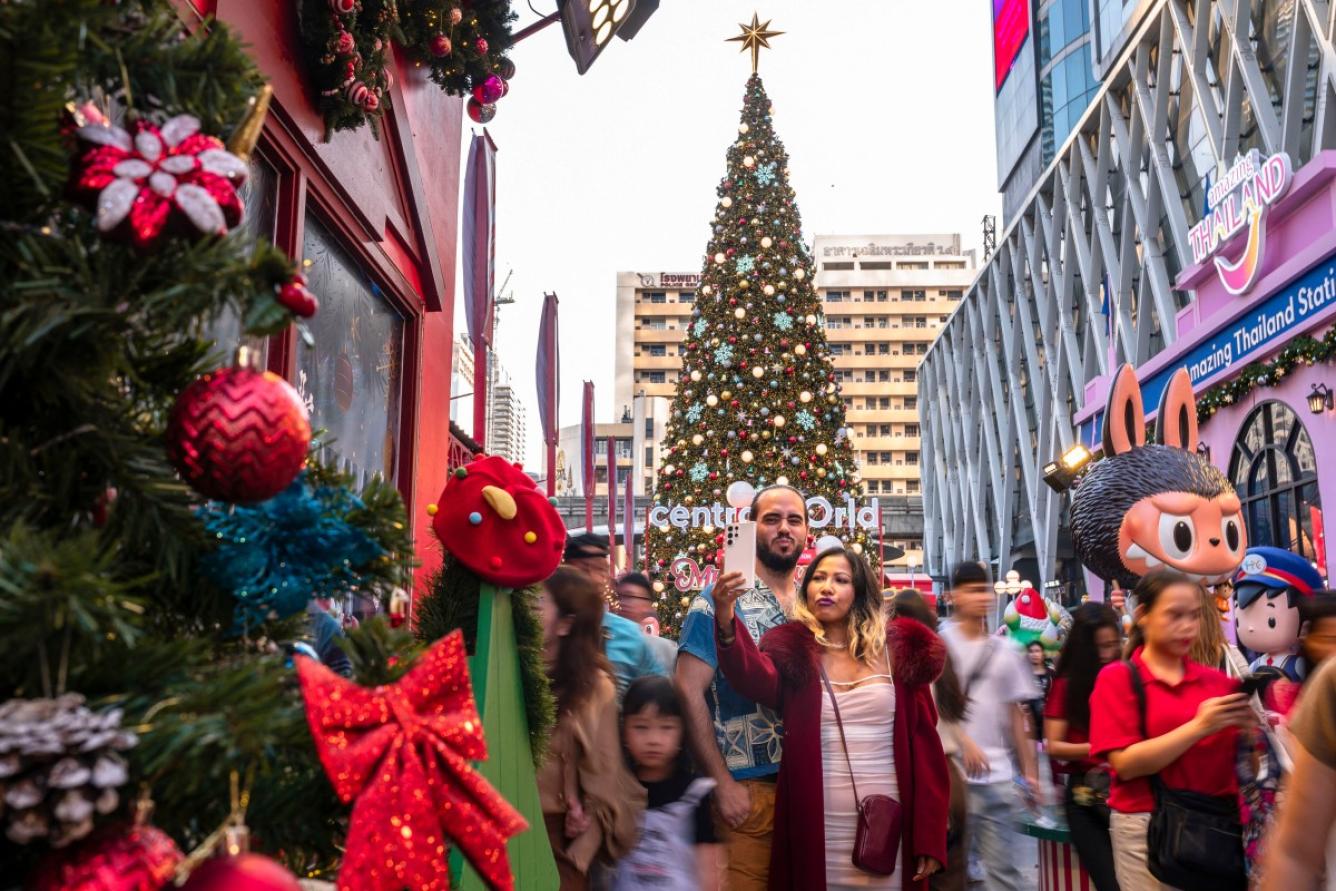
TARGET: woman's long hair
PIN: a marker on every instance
(867, 621)
(1209, 647)
(951, 702)
(580, 656)
(1146, 593)
(1078, 662)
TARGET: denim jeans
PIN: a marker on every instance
(994, 815)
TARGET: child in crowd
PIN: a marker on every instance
(678, 850)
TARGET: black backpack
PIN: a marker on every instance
(1195, 841)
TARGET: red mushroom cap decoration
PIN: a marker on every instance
(493, 519)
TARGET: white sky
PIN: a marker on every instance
(885, 107)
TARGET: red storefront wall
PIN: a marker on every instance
(391, 206)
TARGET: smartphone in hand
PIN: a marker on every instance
(740, 550)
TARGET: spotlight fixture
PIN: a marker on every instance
(1061, 473)
(590, 24)
(1321, 399)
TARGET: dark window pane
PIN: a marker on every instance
(352, 378)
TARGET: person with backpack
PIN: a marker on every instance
(998, 685)
(1169, 727)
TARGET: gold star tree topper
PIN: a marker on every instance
(753, 37)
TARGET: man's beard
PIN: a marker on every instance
(776, 562)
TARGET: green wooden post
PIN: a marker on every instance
(495, 671)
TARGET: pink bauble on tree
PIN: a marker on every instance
(491, 89)
(248, 872)
(239, 435)
(115, 858)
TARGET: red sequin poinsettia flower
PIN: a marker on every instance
(153, 181)
(401, 754)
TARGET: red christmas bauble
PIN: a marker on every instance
(481, 46)
(480, 113)
(239, 435)
(440, 46)
(249, 872)
(297, 298)
(115, 858)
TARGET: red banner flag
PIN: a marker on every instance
(587, 448)
(479, 262)
(547, 374)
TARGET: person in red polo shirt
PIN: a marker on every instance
(1193, 714)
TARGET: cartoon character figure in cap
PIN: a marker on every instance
(1267, 593)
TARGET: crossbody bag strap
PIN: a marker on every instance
(1139, 690)
(980, 667)
(844, 744)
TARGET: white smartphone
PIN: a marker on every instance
(740, 550)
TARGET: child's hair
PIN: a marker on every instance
(656, 692)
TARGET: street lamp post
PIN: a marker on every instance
(1011, 585)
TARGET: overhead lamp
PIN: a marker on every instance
(1061, 473)
(1320, 399)
(590, 24)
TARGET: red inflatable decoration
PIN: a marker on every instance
(493, 519)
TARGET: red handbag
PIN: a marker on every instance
(877, 838)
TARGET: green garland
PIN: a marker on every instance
(453, 603)
(1302, 351)
(347, 46)
(461, 42)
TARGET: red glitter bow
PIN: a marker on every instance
(401, 753)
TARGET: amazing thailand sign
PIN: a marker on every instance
(1240, 198)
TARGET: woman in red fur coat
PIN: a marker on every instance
(880, 671)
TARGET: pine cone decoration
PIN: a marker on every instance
(58, 767)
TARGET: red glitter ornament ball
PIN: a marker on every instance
(440, 46)
(239, 435)
(116, 858)
(480, 113)
(249, 872)
(481, 46)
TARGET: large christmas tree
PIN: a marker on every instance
(758, 399)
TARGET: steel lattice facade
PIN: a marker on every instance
(1083, 276)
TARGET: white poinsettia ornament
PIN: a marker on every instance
(152, 182)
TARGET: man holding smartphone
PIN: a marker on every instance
(735, 741)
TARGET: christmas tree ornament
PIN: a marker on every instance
(440, 46)
(273, 557)
(491, 89)
(247, 872)
(151, 182)
(118, 857)
(480, 113)
(400, 754)
(518, 538)
(239, 435)
(295, 297)
(60, 766)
